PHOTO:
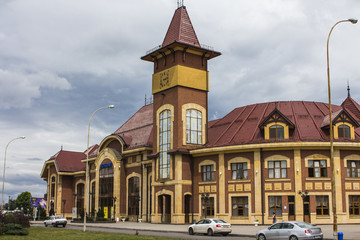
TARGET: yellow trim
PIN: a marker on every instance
(106, 141)
(239, 160)
(317, 157)
(336, 130)
(207, 162)
(180, 76)
(352, 157)
(273, 146)
(157, 194)
(137, 150)
(277, 157)
(203, 123)
(267, 130)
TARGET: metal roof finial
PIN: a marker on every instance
(180, 3)
(348, 88)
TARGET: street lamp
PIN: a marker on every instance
(3, 185)
(87, 173)
(205, 198)
(353, 21)
(303, 196)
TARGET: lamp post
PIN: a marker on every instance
(303, 196)
(87, 173)
(205, 198)
(3, 185)
(332, 162)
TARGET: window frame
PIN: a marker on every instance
(352, 205)
(353, 171)
(208, 173)
(191, 130)
(342, 133)
(239, 204)
(273, 169)
(208, 206)
(236, 170)
(277, 200)
(312, 168)
(323, 202)
(278, 134)
(165, 126)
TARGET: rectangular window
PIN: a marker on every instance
(207, 172)
(322, 205)
(208, 206)
(193, 126)
(239, 171)
(275, 205)
(164, 143)
(240, 206)
(317, 168)
(353, 169)
(277, 169)
(354, 205)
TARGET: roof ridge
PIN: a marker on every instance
(296, 121)
(260, 120)
(318, 127)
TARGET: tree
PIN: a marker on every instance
(23, 202)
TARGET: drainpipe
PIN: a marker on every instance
(192, 187)
(262, 186)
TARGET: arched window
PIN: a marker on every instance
(80, 191)
(133, 196)
(276, 132)
(193, 126)
(106, 187)
(164, 143)
(52, 188)
(344, 131)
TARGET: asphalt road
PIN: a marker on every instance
(150, 233)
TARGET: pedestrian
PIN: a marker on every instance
(274, 218)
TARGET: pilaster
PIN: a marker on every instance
(257, 186)
(299, 205)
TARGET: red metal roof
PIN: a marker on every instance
(137, 131)
(241, 126)
(68, 161)
(181, 29)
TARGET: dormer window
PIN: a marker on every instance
(276, 132)
(344, 131)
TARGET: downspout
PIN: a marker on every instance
(192, 187)
(262, 186)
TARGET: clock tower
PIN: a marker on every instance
(180, 86)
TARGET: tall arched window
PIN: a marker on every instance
(80, 191)
(52, 188)
(344, 131)
(276, 132)
(164, 143)
(193, 126)
(133, 196)
(106, 187)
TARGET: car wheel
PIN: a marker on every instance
(261, 237)
(210, 232)
(64, 225)
(293, 238)
(191, 231)
(45, 224)
(225, 234)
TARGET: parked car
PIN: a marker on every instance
(55, 221)
(292, 230)
(210, 227)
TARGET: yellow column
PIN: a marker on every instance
(59, 196)
(339, 208)
(178, 216)
(221, 212)
(144, 192)
(299, 205)
(257, 186)
(117, 188)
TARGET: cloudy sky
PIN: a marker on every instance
(60, 60)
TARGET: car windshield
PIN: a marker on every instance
(304, 225)
(218, 221)
(58, 217)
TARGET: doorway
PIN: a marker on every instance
(307, 209)
(187, 208)
(165, 208)
(291, 202)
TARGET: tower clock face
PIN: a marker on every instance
(164, 80)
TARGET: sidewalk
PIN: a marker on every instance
(351, 231)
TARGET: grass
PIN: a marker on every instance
(61, 233)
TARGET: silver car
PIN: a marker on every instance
(210, 227)
(290, 230)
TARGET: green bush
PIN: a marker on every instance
(17, 218)
(100, 213)
(14, 229)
